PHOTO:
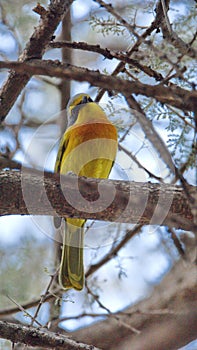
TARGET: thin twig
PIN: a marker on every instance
(110, 314)
(20, 307)
(134, 48)
(134, 158)
(43, 297)
(121, 56)
(114, 251)
(166, 16)
(177, 243)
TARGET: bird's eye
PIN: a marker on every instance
(85, 99)
(89, 99)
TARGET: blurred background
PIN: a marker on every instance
(31, 134)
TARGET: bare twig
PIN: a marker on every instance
(27, 305)
(110, 9)
(43, 297)
(183, 118)
(172, 37)
(134, 158)
(120, 67)
(110, 314)
(114, 251)
(121, 56)
(176, 241)
(20, 307)
(164, 3)
(151, 134)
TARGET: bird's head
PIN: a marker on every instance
(74, 104)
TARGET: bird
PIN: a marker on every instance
(87, 148)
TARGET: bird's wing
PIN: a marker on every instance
(62, 147)
(63, 144)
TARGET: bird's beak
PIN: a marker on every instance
(86, 99)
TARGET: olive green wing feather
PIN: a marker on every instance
(62, 147)
(63, 144)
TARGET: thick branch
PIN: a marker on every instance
(174, 96)
(44, 339)
(33, 192)
(34, 49)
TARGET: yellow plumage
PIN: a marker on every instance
(87, 148)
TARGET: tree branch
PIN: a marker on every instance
(171, 36)
(37, 193)
(121, 56)
(27, 305)
(172, 95)
(34, 49)
(42, 338)
(114, 250)
(151, 134)
(120, 67)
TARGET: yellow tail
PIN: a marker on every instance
(71, 273)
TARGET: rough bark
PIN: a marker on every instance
(34, 192)
(42, 338)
